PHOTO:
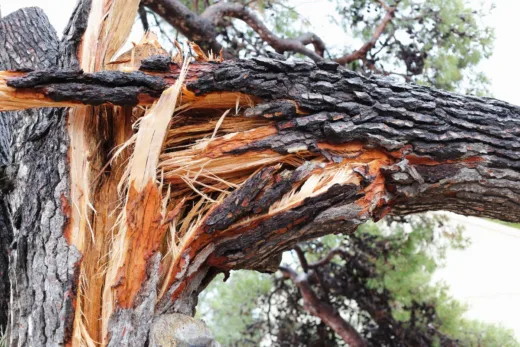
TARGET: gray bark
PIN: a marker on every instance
(34, 161)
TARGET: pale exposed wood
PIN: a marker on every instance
(109, 24)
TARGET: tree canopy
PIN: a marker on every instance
(380, 281)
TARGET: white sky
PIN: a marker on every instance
(486, 275)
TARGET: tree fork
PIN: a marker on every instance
(234, 163)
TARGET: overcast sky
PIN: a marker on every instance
(486, 275)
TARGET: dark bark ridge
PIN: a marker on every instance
(6, 237)
(35, 145)
(115, 87)
(73, 34)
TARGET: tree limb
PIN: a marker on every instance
(202, 29)
(301, 257)
(363, 50)
(434, 133)
(224, 9)
(144, 18)
(322, 310)
(325, 260)
(191, 25)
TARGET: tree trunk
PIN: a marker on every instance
(113, 227)
(35, 188)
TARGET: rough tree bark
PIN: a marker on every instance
(35, 180)
(312, 149)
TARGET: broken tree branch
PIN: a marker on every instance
(313, 149)
(424, 126)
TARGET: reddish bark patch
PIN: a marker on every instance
(418, 160)
(66, 211)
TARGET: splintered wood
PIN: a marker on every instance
(144, 217)
(94, 200)
(185, 175)
(180, 175)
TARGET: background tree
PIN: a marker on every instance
(439, 43)
(379, 280)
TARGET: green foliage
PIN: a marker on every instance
(435, 42)
(418, 248)
(404, 256)
(407, 274)
(231, 308)
(478, 334)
